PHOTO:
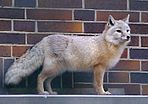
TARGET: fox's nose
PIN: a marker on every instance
(128, 37)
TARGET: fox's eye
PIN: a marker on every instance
(119, 31)
(128, 30)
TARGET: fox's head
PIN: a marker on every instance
(117, 31)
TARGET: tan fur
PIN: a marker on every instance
(59, 53)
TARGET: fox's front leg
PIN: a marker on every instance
(98, 80)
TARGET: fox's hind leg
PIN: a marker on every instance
(40, 83)
(48, 85)
(50, 71)
(48, 74)
(41, 78)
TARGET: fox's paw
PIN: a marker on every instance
(44, 93)
(48, 93)
(53, 93)
(106, 93)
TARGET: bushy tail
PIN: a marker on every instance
(25, 65)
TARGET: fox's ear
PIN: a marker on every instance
(126, 19)
(111, 21)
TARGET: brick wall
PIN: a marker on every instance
(25, 22)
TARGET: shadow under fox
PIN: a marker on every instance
(60, 53)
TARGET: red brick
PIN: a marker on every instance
(28, 26)
(44, 26)
(119, 77)
(138, 53)
(134, 41)
(12, 13)
(144, 65)
(12, 38)
(124, 54)
(18, 51)
(103, 15)
(138, 5)
(139, 28)
(138, 77)
(127, 65)
(5, 51)
(60, 4)
(84, 15)
(49, 14)
(144, 41)
(94, 27)
(144, 89)
(144, 17)
(25, 3)
(106, 4)
(5, 25)
(34, 38)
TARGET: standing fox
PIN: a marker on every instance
(59, 53)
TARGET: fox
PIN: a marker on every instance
(58, 53)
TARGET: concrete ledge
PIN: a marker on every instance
(73, 99)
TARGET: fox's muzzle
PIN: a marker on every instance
(126, 38)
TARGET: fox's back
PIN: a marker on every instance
(78, 52)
